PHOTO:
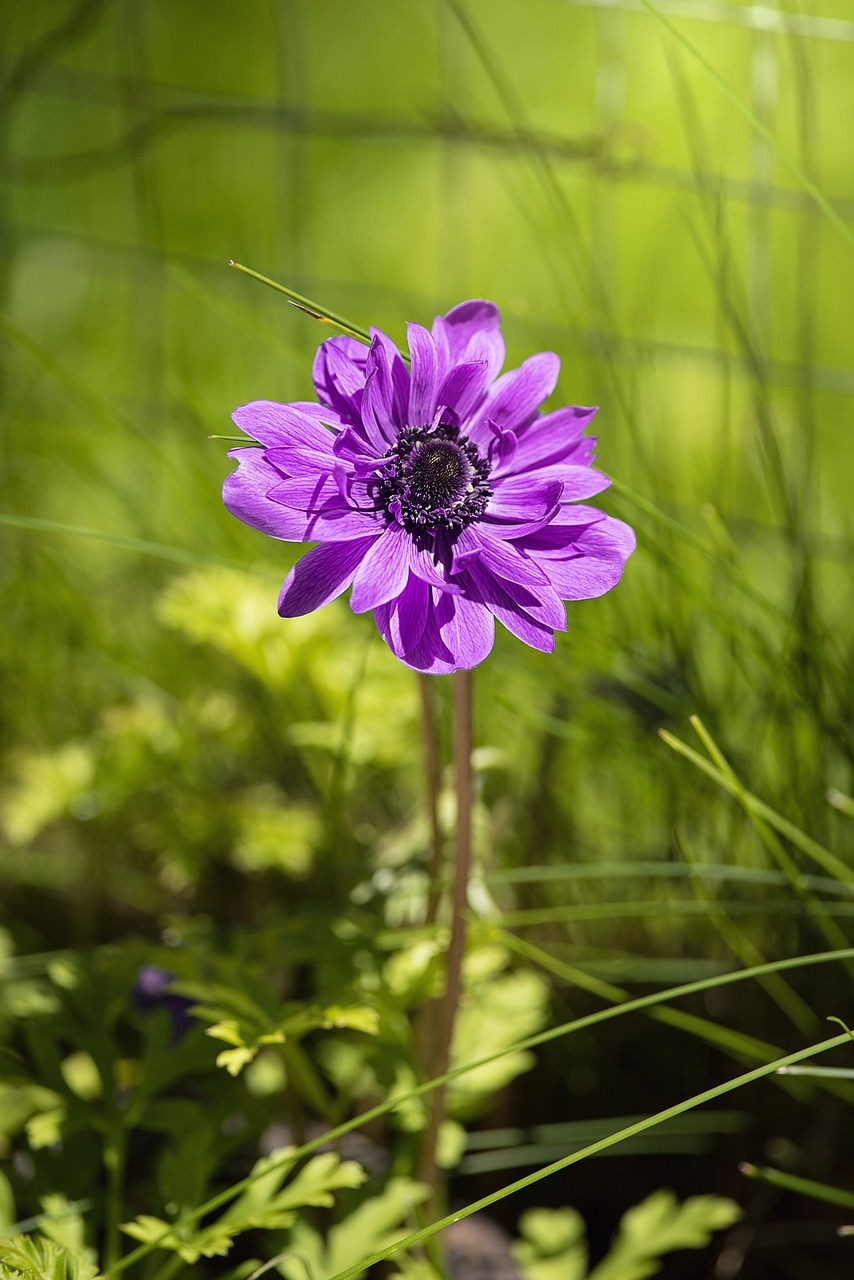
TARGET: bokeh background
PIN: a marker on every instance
(176, 759)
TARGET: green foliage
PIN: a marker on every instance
(373, 1225)
(658, 1226)
(62, 1222)
(554, 1245)
(178, 764)
(265, 1206)
(245, 1015)
(37, 1258)
(499, 1010)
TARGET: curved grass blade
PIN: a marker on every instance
(828, 861)
(313, 309)
(833, 934)
(543, 1037)
(575, 1157)
(770, 137)
(802, 1186)
(734, 1042)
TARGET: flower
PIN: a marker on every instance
(152, 991)
(440, 492)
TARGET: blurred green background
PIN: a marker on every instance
(171, 750)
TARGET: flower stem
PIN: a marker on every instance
(432, 776)
(429, 1171)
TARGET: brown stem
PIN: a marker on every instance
(429, 1171)
(433, 776)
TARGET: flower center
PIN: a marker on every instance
(433, 478)
(439, 472)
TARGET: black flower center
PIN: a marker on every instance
(438, 474)
(433, 478)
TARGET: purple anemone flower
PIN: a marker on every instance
(440, 492)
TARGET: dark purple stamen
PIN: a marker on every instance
(433, 478)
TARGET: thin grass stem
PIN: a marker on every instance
(575, 1157)
(782, 153)
(313, 309)
(530, 1042)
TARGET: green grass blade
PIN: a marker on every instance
(770, 137)
(834, 936)
(828, 861)
(162, 550)
(802, 1186)
(734, 1042)
(575, 1157)
(824, 1073)
(543, 1037)
(313, 309)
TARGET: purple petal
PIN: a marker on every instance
(401, 622)
(559, 536)
(539, 602)
(431, 569)
(282, 424)
(593, 564)
(384, 572)
(309, 493)
(502, 450)
(533, 631)
(534, 634)
(320, 412)
(502, 559)
(300, 462)
(378, 401)
(463, 388)
(398, 374)
(514, 399)
(321, 575)
(471, 331)
(522, 507)
(555, 437)
(339, 375)
(467, 630)
(326, 515)
(423, 375)
(578, 482)
(457, 633)
(245, 491)
(428, 653)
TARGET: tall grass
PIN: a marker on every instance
(664, 198)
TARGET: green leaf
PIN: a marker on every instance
(497, 1014)
(35, 1258)
(376, 1223)
(234, 1060)
(21, 1101)
(261, 1206)
(44, 1129)
(209, 1242)
(554, 1245)
(416, 1269)
(227, 1031)
(63, 1223)
(316, 1182)
(358, 1017)
(185, 1166)
(657, 1226)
